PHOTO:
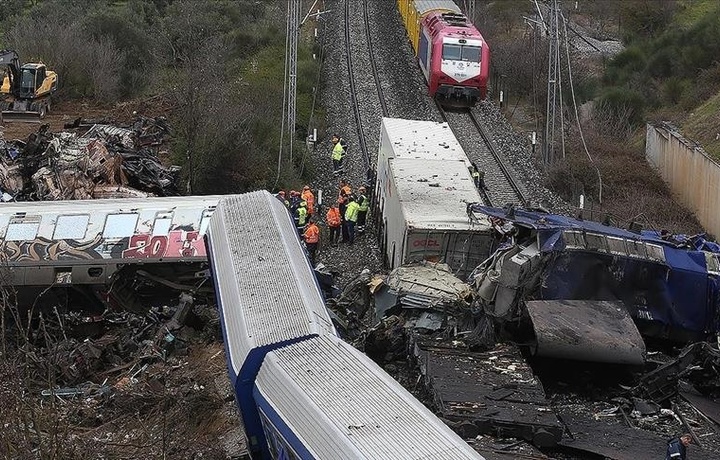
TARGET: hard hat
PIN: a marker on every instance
(307, 187)
(281, 193)
(293, 193)
(362, 189)
(303, 203)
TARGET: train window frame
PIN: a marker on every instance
(120, 225)
(448, 46)
(474, 58)
(162, 224)
(23, 228)
(205, 220)
(75, 228)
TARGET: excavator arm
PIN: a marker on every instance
(11, 60)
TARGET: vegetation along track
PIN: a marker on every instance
(503, 188)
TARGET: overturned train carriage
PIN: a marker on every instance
(303, 393)
(85, 246)
(422, 192)
(561, 271)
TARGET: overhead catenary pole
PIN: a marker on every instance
(293, 18)
(553, 83)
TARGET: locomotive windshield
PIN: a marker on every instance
(453, 52)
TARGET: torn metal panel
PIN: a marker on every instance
(111, 133)
(710, 408)
(496, 391)
(429, 280)
(611, 439)
(585, 330)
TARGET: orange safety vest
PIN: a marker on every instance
(309, 198)
(333, 217)
(312, 234)
(346, 191)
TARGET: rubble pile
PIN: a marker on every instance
(105, 161)
(117, 385)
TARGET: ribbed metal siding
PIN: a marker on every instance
(425, 6)
(342, 405)
(267, 289)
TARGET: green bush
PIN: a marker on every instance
(623, 106)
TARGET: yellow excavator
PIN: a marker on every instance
(26, 89)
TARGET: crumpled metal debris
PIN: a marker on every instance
(105, 162)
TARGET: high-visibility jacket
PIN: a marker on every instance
(312, 234)
(309, 198)
(333, 217)
(351, 213)
(338, 151)
(302, 215)
(345, 191)
(364, 203)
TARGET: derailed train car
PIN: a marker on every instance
(555, 269)
(303, 393)
(422, 191)
(452, 54)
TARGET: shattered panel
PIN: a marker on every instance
(586, 330)
(496, 391)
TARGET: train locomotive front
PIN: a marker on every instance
(453, 55)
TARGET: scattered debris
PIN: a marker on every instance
(105, 162)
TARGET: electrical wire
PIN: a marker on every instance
(286, 90)
(577, 116)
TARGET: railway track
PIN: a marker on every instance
(503, 188)
(373, 63)
(362, 142)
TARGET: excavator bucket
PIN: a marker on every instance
(14, 116)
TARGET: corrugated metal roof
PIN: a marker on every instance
(434, 193)
(360, 411)
(424, 6)
(423, 139)
(268, 293)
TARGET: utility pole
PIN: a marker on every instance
(554, 87)
(293, 28)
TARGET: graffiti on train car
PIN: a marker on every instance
(41, 249)
(177, 243)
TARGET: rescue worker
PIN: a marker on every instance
(343, 194)
(363, 208)
(334, 222)
(312, 238)
(478, 177)
(302, 216)
(281, 197)
(677, 447)
(351, 216)
(338, 153)
(309, 198)
(294, 201)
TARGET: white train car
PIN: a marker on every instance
(422, 191)
(323, 399)
(86, 241)
(265, 288)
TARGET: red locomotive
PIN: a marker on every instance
(452, 53)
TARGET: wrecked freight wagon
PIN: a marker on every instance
(105, 162)
(578, 284)
(421, 195)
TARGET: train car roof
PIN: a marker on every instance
(107, 204)
(362, 412)
(421, 139)
(267, 291)
(427, 6)
(434, 193)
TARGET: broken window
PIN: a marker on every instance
(24, 228)
(120, 225)
(163, 223)
(71, 227)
